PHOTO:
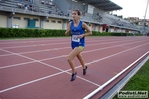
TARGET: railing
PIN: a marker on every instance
(115, 77)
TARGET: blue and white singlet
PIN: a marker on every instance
(75, 31)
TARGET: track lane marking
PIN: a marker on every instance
(50, 44)
(61, 48)
(65, 70)
(66, 55)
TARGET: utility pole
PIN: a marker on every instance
(143, 27)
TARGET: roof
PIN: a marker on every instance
(106, 5)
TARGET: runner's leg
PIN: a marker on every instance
(80, 58)
(71, 56)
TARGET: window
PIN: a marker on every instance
(46, 20)
(59, 21)
(26, 19)
(16, 18)
(53, 21)
(35, 19)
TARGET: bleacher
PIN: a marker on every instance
(45, 8)
(9, 3)
(41, 8)
(121, 22)
(48, 10)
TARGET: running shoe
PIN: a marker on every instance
(84, 70)
(73, 76)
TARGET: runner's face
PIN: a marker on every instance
(75, 15)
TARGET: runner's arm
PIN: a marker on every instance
(86, 27)
(68, 29)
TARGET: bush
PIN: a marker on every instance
(17, 32)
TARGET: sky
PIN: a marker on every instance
(132, 8)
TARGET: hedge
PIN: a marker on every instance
(17, 32)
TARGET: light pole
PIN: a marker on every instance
(145, 16)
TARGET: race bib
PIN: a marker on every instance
(75, 38)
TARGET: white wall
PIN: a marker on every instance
(3, 21)
(51, 25)
(23, 23)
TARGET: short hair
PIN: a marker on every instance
(78, 12)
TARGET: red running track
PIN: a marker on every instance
(38, 69)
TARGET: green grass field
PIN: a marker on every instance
(139, 81)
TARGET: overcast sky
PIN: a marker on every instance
(132, 8)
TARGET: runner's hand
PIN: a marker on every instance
(80, 36)
(66, 33)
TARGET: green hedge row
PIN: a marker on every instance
(14, 32)
(113, 34)
(17, 32)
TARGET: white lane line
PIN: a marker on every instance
(33, 81)
(34, 41)
(38, 40)
(62, 48)
(33, 45)
(95, 61)
(49, 39)
(29, 58)
(58, 48)
(46, 65)
(49, 66)
(89, 51)
(82, 52)
(85, 79)
(46, 44)
(30, 40)
(65, 48)
(113, 78)
(116, 54)
(14, 65)
(68, 70)
(6, 55)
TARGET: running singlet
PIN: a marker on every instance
(75, 31)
